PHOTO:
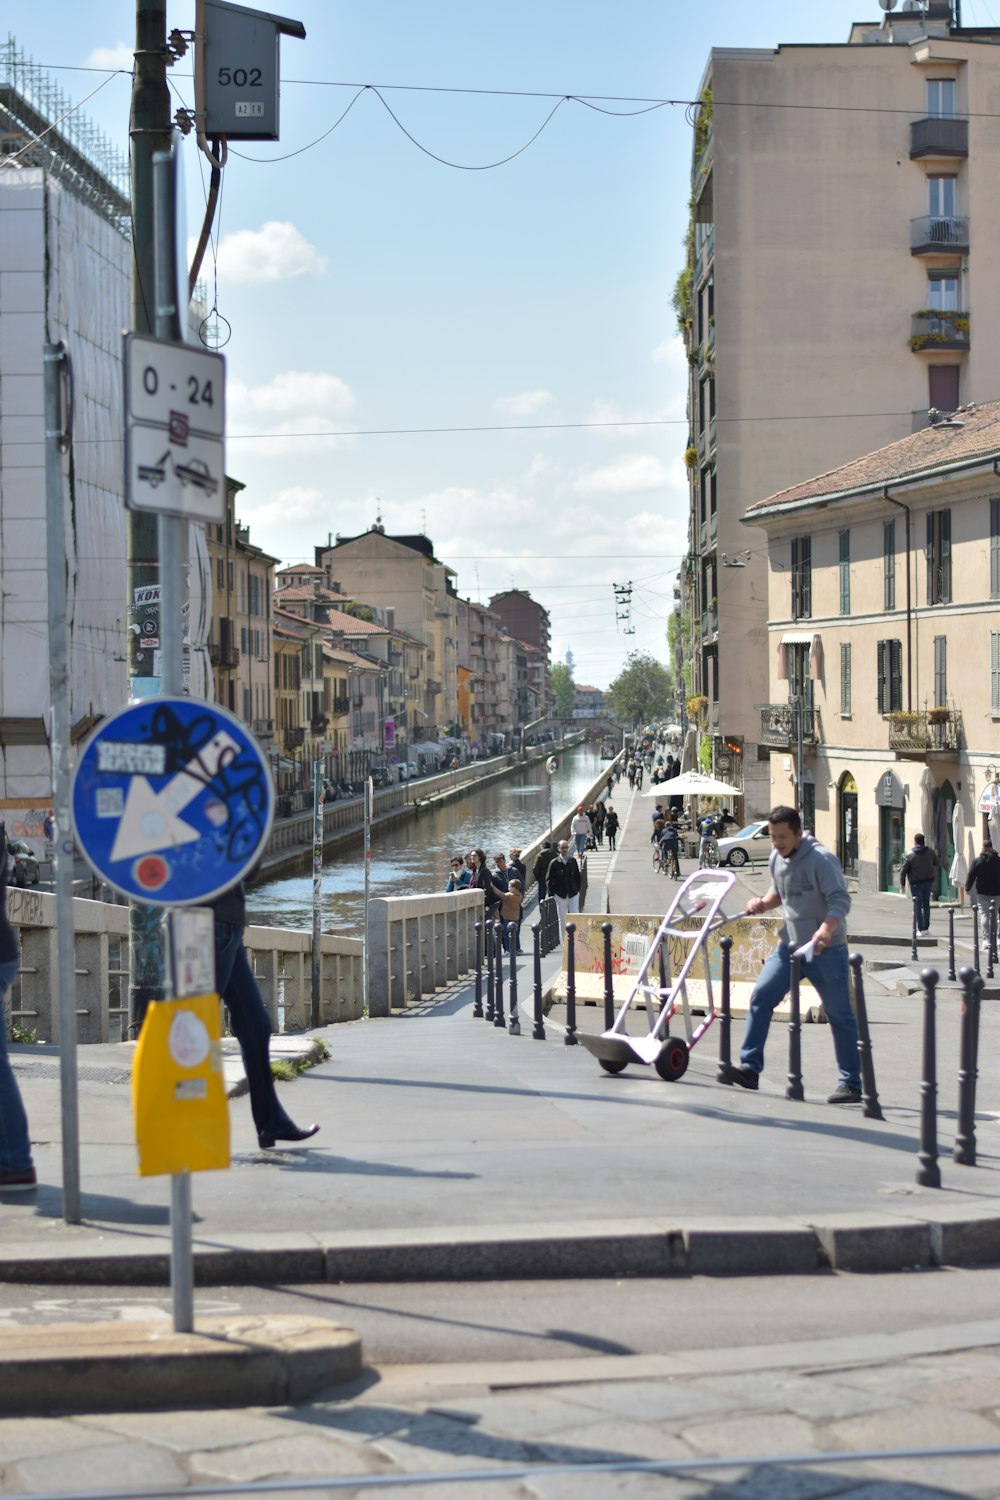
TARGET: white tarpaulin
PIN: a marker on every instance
(692, 784)
(959, 865)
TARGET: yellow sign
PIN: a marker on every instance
(178, 1089)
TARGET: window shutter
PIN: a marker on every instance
(881, 678)
(994, 549)
(845, 572)
(944, 592)
(895, 675)
(929, 555)
(845, 678)
(995, 671)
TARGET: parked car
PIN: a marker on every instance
(22, 866)
(751, 845)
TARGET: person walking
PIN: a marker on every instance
(482, 880)
(501, 874)
(581, 830)
(516, 868)
(235, 982)
(631, 777)
(611, 826)
(17, 1170)
(983, 883)
(539, 869)
(564, 883)
(597, 819)
(806, 879)
(919, 868)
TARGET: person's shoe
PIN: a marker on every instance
(267, 1138)
(845, 1093)
(18, 1182)
(746, 1078)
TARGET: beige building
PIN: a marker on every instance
(240, 646)
(840, 282)
(884, 646)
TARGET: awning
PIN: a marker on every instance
(798, 638)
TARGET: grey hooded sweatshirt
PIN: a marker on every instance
(811, 885)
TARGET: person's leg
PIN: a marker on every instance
(829, 972)
(561, 909)
(251, 1027)
(925, 905)
(572, 906)
(983, 904)
(15, 1142)
(768, 993)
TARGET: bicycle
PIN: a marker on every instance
(673, 864)
(708, 853)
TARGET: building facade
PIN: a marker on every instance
(528, 621)
(845, 201)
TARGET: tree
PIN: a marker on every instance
(642, 691)
(563, 689)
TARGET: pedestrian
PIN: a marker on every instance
(235, 982)
(983, 882)
(460, 875)
(611, 826)
(540, 868)
(17, 1170)
(919, 868)
(510, 913)
(515, 865)
(482, 880)
(631, 776)
(611, 783)
(807, 880)
(581, 830)
(564, 883)
(638, 777)
(501, 874)
(597, 819)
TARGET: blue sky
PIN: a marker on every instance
(369, 287)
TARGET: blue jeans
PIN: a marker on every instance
(235, 982)
(581, 843)
(920, 890)
(15, 1144)
(828, 972)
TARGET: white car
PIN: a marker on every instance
(751, 845)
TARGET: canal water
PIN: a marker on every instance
(414, 857)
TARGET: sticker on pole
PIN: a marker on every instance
(172, 801)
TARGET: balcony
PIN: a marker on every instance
(433, 686)
(225, 656)
(317, 724)
(779, 729)
(924, 731)
(935, 235)
(263, 728)
(932, 331)
(940, 135)
(340, 706)
(295, 735)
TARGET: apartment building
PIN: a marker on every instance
(528, 621)
(839, 285)
(884, 646)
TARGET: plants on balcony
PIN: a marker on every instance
(921, 340)
(938, 715)
(691, 456)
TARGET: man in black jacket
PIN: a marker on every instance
(541, 866)
(983, 880)
(919, 867)
(564, 883)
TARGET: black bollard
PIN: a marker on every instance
(870, 1106)
(477, 1009)
(664, 989)
(928, 1172)
(569, 1039)
(490, 984)
(538, 1030)
(609, 983)
(951, 942)
(795, 1089)
(965, 1136)
(975, 937)
(913, 940)
(571, 969)
(499, 1019)
(514, 1029)
(977, 990)
(725, 1015)
(991, 957)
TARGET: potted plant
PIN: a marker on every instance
(938, 715)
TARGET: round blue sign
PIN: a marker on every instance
(172, 801)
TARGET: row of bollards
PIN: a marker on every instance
(928, 1172)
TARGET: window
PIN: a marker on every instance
(942, 291)
(889, 565)
(220, 575)
(995, 673)
(942, 197)
(845, 572)
(941, 98)
(938, 552)
(940, 670)
(845, 680)
(995, 549)
(801, 577)
(890, 676)
(800, 684)
(942, 387)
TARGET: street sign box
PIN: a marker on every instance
(175, 422)
(172, 801)
(236, 69)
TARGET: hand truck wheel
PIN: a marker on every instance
(673, 1060)
(612, 1065)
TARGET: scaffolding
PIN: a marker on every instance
(42, 127)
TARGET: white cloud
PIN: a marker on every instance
(295, 402)
(607, 415)
(274, 252)
(631, 474)
(524, 405)
(299, 505)
(121, 55)
(671, 352)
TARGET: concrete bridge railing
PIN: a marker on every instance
(417, 944)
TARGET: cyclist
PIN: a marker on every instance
(670, 845)
(654, 839)
(708, 848)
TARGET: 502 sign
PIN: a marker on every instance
(241, 78)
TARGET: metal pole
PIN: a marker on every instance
(57, 374)
(570, 1039)
(975, 937)
(538, 1030)
(609, 983)
(317, 895)
(800, 797)
(571, 972)
(965, 1136)
(951, 942)
(928, 1172)
(497, 940)
(368, 881)
(725, 1014)
(515, 1024)
(794, 1089)
(477, 1009)
(870, 1106)
(664, 989)
(913, 933)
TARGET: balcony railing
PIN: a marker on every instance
(936, 234)
(939, 135)
(263, 727)
(223, 656)
(433, 686)
(779, 726)
(924, 730)
(932, 330)
(341, 706)
(294, 735)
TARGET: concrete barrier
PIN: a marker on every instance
(418, 944)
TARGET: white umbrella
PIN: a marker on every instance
(926, 815)
(692, 784)
(689, 750)
(959, 865)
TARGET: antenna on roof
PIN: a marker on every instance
(888, 4)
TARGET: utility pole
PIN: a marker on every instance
(149, 131)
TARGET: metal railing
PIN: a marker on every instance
(939, 135)
(939, 232)
(925, 729)
(779, 727)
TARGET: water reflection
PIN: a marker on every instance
(415, 856)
